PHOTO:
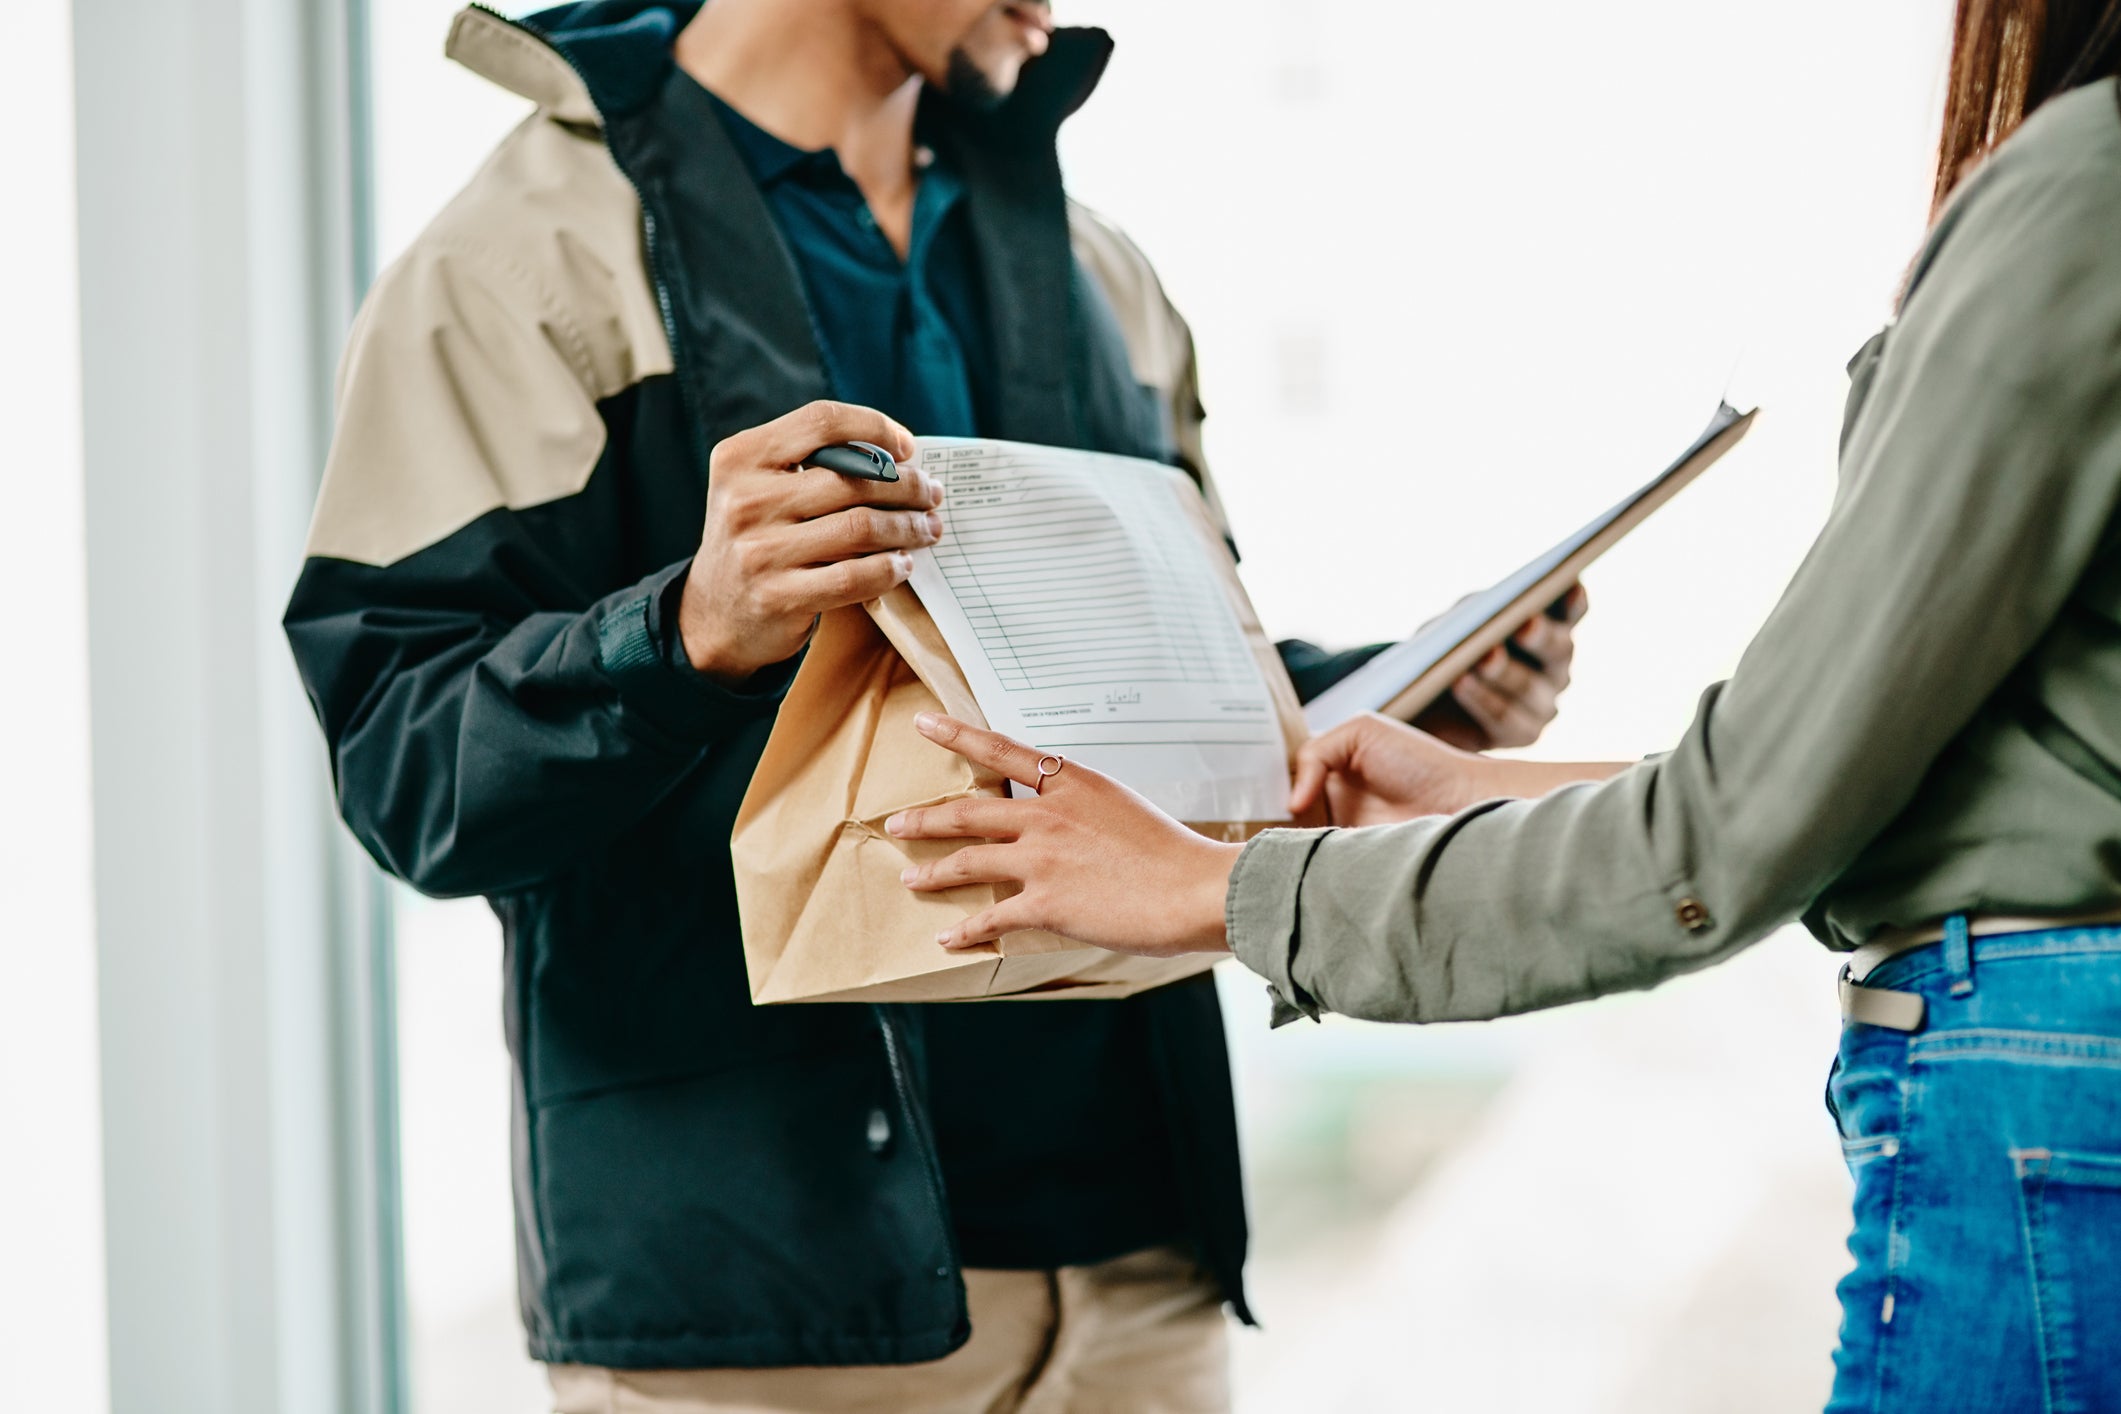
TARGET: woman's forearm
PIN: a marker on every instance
(1522, 780)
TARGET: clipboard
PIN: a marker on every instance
(1407, 678)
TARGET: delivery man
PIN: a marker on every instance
(562, 568)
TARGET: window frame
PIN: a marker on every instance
(248, 1088)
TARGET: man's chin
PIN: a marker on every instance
(973, 86)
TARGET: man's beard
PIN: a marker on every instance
(968, 84)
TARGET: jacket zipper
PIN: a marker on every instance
(930, 1167)
(894, 1054)
(702, 454)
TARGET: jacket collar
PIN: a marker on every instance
(505, 53)
(580, 62)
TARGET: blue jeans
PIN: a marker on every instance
(1986, 1149)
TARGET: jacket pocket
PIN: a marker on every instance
(2071, 1209)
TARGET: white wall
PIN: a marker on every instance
(51, 1188)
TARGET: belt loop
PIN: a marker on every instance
(1959, 954)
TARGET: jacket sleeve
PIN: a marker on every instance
(1313, 669)
(1980, 481)
(497, 699)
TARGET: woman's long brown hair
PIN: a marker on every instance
(2009, 57)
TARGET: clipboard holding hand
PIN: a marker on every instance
(1409, 677)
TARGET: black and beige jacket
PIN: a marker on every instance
(516, 489)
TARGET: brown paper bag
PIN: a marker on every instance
(825, 916)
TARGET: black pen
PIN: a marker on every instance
(863, 460)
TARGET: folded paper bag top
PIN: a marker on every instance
(825, 916)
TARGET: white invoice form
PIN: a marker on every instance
(1078, 597)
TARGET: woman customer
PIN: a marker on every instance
(1920, 755)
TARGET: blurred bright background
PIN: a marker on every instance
(1460, 275)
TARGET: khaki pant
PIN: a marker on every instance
(1142, 1334)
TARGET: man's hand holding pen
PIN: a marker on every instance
(782, 545)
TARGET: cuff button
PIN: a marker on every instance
(1693, 915)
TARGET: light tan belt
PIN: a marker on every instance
(1890, 944)
(1874, 1006)
(1905, 1011)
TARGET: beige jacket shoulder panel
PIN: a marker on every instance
(1159, 345)
(473, 375)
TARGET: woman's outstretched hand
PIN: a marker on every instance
(1375, 771)
(1096, 862)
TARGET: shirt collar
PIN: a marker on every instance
(768, 157)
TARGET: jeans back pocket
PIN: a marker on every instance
(2071, 1206)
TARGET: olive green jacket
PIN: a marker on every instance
(1928, 723)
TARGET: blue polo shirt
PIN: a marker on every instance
(908, 338)
(1046, 1119)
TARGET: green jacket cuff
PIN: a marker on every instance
(1260, 913)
